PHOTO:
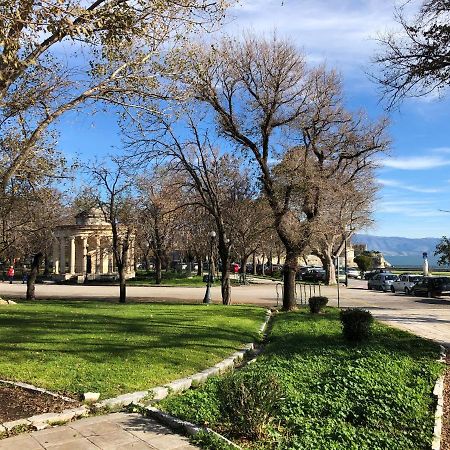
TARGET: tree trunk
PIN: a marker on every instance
(31, 282)
(244, 261)
(158, 271)
(254, 263)
(331, 269)
(199, 266)
(122, 285)
(46, 265)
(224, 253)
(263, 272)
(289, 272)
(146, 264)
(326, 257)
(225, 286)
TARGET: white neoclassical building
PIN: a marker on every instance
(83, 250)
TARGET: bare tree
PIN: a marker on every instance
(267, 101)
(347, 208)
(250, 219)
(58, 54)
(159, 210)
(416, 62)
(112, 194)
(211, 179)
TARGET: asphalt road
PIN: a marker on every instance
(429, 318)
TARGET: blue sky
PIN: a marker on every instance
(414, 177)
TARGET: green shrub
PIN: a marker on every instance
(317, 303)
(250, 400)
(356, 324)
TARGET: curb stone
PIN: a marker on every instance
(9, 426)
(184, 426)
(438, 392)
(30, 387)
(157, 393)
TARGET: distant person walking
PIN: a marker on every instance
(10, 274)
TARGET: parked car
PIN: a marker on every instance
(381, 281)
(315, 275)
(301, 271)
(353, 273)
(405, 282)
(432, 287)
(372, 273)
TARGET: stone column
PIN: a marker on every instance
(72, 255)
(98, 255)
(104, 263)
(62, 268)
(56, 256)
(84, 247)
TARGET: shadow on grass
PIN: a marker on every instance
(94, 332)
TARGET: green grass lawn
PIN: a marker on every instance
(312, 390)
(74, 346)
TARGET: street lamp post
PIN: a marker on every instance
(345, 262)
(207, 298)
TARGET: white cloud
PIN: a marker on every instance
(407, 187)
(442, 150)
(415, 162)
(342, 32)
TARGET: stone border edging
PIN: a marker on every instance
(438, 392)
(30, 387)
(42, 421)
(184, 426)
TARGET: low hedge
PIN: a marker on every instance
(316, 304)
(356, 324)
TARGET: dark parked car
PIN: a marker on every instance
(315, 275)
(432, 287)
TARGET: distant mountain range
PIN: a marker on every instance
(400, 251)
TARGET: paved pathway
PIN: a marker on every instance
(114, 431)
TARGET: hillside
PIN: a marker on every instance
(400, 250)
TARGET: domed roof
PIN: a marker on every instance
(92, 216)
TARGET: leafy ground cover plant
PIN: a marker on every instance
(329, 394)
(81, 346)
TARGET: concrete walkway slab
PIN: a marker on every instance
(110, 432)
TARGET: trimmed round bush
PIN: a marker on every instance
(356, 324)
(317, 303)
(250, 399)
